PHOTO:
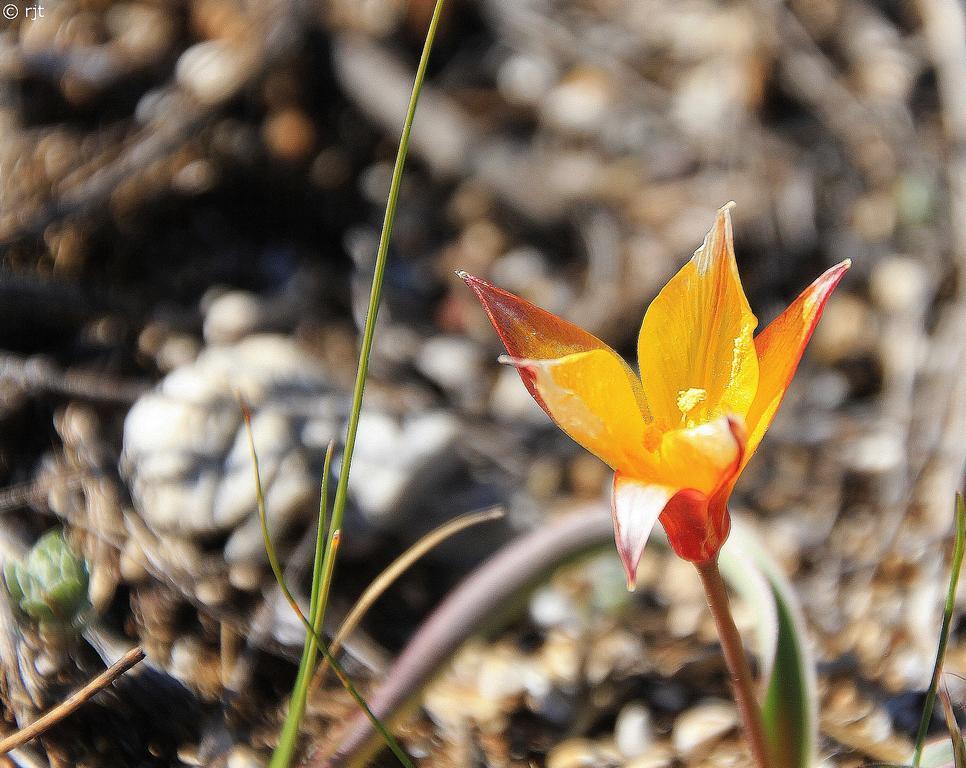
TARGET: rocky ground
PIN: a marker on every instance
(191, 197)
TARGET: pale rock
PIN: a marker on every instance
(244, 757)
(657, 756)
(389, 453)
(232, 316)
(633, 730)
(698, 729)
(452, 362)
(510, 402)
(583, 753)
(580, 103)
(525, 78)
(212, 71)
(186, 455)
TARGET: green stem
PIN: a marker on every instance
(288, 737)
(734, 653)
(937, 670)
(382, 254)
(325, 558)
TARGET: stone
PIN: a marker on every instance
(633, 732)
(389, 454)
(231, 316)
(186, 454)
(213, 71)
(583, 753)
(698, 729)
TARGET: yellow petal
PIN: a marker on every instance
(594, 397)
(704, 458)
(780, 347)
(696, 349)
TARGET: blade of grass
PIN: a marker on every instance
(325, 557)
(956, 567)
(384, 580)
(285, 751)
(375, 295)
(955, 735)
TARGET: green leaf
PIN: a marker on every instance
(49, 587)
(790, 705)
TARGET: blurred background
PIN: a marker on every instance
(190, 199)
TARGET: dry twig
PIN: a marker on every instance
(73, 703)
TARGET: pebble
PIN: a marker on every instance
(560, 657)
(452, 362)
(195, 666)
(550, 607)
(876, 453)
(212, 71)
(633, 732)
(231, 316)
(289, 134)
(657, 756)
(244, 757)
(389, 452)
(698, 729)
(510, 402)
(246, 577)
(525, 78)
(899, 284)
(618, 654)
(583, 753)
(580, 103)
(185, 451)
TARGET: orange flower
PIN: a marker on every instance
(677, 437)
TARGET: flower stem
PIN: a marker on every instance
(734, 653)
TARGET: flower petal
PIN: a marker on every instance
(582, 384)
(594, 397)
(527, 331)
(636, 505)
(705, 457)
(780, 347)
(695, 349)
(687, 487)
(696, 526)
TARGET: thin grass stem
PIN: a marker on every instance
(322, 571)
(937, 671)
(384, 580)
(288, 739)
(284, 753)
(375, 295)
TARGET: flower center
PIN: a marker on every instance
(689, 399)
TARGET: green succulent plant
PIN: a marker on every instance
(49, 586)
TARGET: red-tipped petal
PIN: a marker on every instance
(527, 331)
(780, 347)
(582, 384)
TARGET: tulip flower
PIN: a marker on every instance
(678, 436)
